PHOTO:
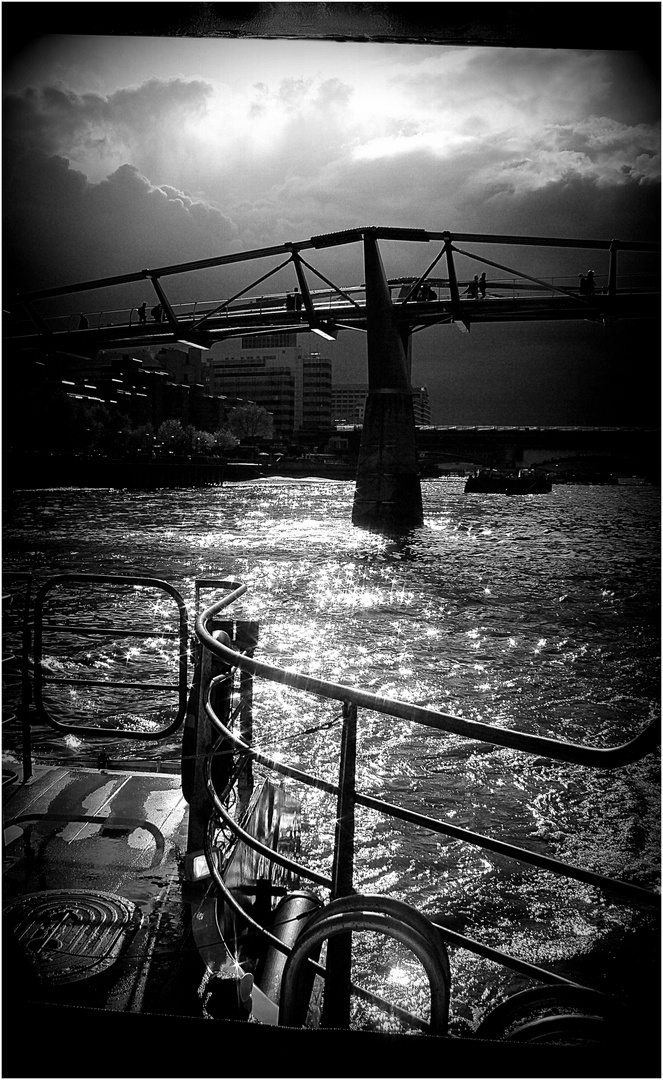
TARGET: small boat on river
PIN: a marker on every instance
(151, 915)
(498, 482)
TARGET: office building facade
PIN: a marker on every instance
(421, 405)
(349, 403)
(290, 380)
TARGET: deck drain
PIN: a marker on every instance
(70, 935)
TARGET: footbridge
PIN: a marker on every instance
(388, 311)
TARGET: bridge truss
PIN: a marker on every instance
(387, 311)
(331, 308)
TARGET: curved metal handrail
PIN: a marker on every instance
(232, 659)
(541, 745)
(624, 889)
(238, 831)
(280, 946)
(523, 967)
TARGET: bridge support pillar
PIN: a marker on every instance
(388, 490)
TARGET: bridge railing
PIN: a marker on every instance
(325, 301)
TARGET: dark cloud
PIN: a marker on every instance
(58, 227)
(492, 141)
(580, 207)
(472, 144)
(419, 190)
(54, 119)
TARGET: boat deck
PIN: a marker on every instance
(102, 924)
(91, 886)
(97, 931)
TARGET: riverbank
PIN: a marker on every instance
(62, 471)
(35, 471)
(30, 472)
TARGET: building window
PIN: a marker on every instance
(269, 341)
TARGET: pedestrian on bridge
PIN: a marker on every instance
(482, 285)
(83, 324)
(473, 288)
(157, 313)
(142, 312)
(591, 285)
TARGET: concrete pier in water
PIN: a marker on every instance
(388, 490)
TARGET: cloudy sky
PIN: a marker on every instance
(122, 153)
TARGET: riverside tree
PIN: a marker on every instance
(251, 421)
(172, 436)
(224, 440)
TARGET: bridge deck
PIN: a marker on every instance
(120, 329)
(517, 297)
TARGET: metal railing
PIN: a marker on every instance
(324, 301)
(23, 625)
(558, 750)
(239, 746)
(340, 884)
(42, 678)
(199, 324)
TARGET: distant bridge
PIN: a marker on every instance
(635, 449)
(387, 311)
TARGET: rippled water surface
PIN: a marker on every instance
(536, 613)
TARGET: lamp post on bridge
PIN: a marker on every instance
(388, 490)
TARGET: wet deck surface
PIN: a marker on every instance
(91, 887)
(85, 828)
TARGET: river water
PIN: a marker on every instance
(537, 613)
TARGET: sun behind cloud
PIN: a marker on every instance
(268, 140)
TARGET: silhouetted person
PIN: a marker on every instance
(590, 283)
(473, 288)
(298, 300)
(289, 302)
(83, 324)
(157, 313)
(482, 285)
(142, 312)
(582, 284)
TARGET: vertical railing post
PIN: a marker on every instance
(343, 869)
(246, 639)
(336, 1010)
(26, 695)
(201, 737)
(612, 273)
